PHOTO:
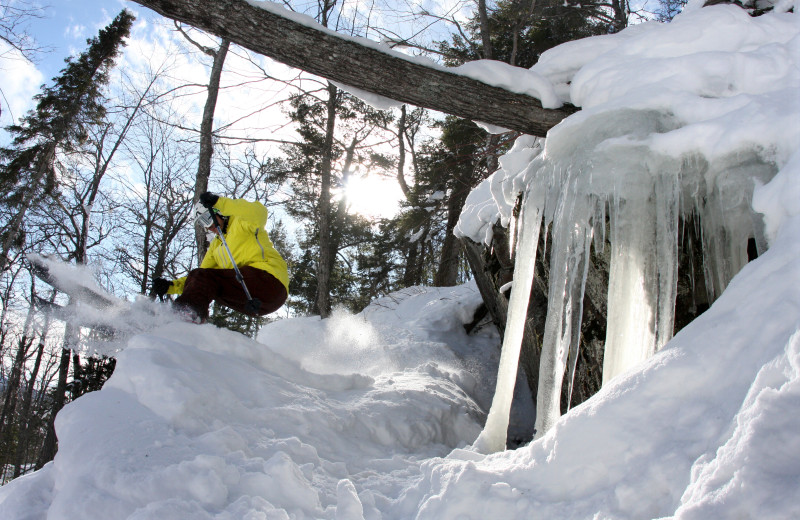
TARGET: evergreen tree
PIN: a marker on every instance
(90, 375)
(225, 317)
(381, 263)
(60, 123)
(319, 167)
(303, 284)
(28, 171)
(457, 164)
(519, 34)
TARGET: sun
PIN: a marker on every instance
(373, 197)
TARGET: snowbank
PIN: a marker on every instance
(710, 87)
(199, 422)
(704, 429)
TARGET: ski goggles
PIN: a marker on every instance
(203, 216)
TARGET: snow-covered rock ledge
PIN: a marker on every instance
(707, 428)
(680, 122)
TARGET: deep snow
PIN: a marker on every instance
(372, 416)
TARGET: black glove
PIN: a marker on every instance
(161, 286)
(208, 199)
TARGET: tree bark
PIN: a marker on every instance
(326, 253)
(206, 134)
(59, 398)
(25, 419)
(447, 271)
(360, 64)
(486, 37)
(401, 154)
(12, 387)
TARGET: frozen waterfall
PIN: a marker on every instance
(669, 138)
(604, 180)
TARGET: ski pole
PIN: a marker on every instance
(253, 304)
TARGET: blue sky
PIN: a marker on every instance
(69, 23)
(61, 31)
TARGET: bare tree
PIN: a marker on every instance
(26, 419)
(251, 174)
(69, 217)
(14, 18)
(155, 210)
(207, 125)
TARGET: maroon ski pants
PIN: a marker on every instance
(206, 285)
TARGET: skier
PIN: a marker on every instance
(263, 270)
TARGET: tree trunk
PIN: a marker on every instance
(486, 37)
(13, 382)
(360, 64)
(447, 272)
(401, 153)
(24, 427)
(12, 390)
(323, 301)
(59, 399)
(415, 267)
(206, 134)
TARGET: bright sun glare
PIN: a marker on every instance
(373, 197)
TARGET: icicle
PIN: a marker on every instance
(572, 237)
(577, 296)
(598, 227)
(493, 437)
(631, 331)
(642, 284)
(728, 221)
(667, 193)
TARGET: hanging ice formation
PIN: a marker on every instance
(493, 436)
(677, 126)
(605, 171)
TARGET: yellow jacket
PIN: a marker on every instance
(248, 241)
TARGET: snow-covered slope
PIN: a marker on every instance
(199, 422)
(371, 416)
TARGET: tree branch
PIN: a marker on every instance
(309, 47)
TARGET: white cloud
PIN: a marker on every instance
(76, 31)
(21, 81)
